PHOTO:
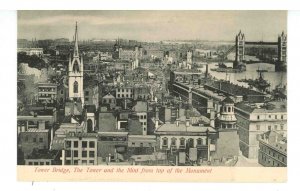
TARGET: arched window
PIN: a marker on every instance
(229, 109)
(173, 141)
(182, 142)
(165, 141)
(199, 141)
(76, 66)
(89, 125)
(75, 87)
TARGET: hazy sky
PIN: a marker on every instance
(152, 25)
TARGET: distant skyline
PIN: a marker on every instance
(152, 25)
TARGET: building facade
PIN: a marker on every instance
(80, 149)
(254, 119)
(272, 149)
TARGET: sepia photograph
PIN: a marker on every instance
(152, 88)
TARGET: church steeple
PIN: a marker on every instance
(76, 72)
(76, 52)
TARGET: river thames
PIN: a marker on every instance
(274, 78)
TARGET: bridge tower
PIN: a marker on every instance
(282, 52)
(240, 47)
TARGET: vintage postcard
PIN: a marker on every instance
(195, 96)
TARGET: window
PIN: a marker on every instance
(75, 162)
(257, 127)
(41, 163)
(47, 163)
(75, 87)
(141, 144)
(133, 143)
(41, 140)
(275, 116)
(75, 153)
(34, 140)
(36, 163)
(84, 162)
(182, 142)
(229, 109)
(281, 116)
(269, 128)
(92, 144)
(30, 163)
(281, 127)
(173, 141)
(199, 141)
(258, 117)
(270, 116)
(91, 161)
(75, 144)
(68, 144)
(84, 153)
(91, 154)
(118, 95)
(86, 99)
(84, 144)
(68, 153)
(165, 141)
(87, 93)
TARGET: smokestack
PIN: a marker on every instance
(212, 118)
(156, 117)
(177, 118)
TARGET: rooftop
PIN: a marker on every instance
(181, 128)
(270, 107)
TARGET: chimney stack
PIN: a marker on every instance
(177, 118)
(212, 118)
(156, 117)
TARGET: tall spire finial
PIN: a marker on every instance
(76, 53)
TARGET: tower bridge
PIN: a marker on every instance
(241, 43)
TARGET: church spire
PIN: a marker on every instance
(76, 52)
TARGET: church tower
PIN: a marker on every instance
(76, 73)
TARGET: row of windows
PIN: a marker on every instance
(143, 116)
(84, 144)
(35, 140)
(276, 127)
(272, 153)
(38, 163)
(143, 123)
(141, 144)
(124, 90)
(268, 160)
(108, 101)
(84, 154)
(228, 109)
(47, 89)
(275, 116)
(118, 95)
(83, 162)
(182, 141)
